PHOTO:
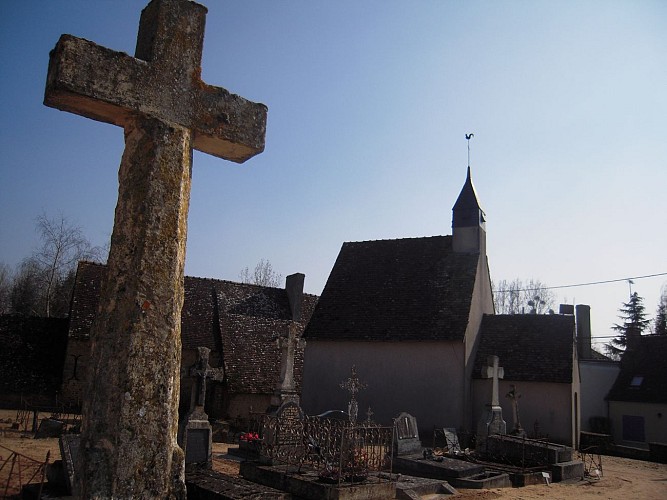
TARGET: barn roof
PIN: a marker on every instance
(241, 321)
(411, 289)
(531, 347)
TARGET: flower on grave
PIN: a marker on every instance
(249, 437)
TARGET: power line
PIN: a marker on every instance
(582, 284)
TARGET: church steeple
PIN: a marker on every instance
(468, 221)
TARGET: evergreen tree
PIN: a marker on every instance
(661, 315)
(634, 323)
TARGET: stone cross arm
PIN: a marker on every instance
(495, 372)
(163, 81)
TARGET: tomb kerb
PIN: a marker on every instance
(130, 413)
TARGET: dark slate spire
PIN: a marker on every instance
(468, 221)
(466, 211)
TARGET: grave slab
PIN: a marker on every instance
(487, 479)
(204, 484)
(446, 469)
(306, 485)
(527, 452)
(414, 488)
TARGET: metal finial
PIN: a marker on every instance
(468, 137)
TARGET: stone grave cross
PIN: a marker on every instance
(203, 371)
(492, 421)
(130, 414)
(495, 372)
(514, 396)
(195, 432)
(288, 346)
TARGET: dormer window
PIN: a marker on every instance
(636, 381)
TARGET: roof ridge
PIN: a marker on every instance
(401, 239)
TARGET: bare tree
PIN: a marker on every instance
(25, 292)
(63, 245)
(519, 297)
(263, 275)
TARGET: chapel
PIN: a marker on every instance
(415, 317)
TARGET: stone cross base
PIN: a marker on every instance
(518, 431)
(196, 438)
(491, 423)
(279, 398)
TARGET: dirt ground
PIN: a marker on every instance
(622, 479)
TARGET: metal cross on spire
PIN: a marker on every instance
(468, 137)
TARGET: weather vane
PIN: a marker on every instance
(468, 137)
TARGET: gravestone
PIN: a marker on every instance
(452, 440)
(69, 451)
(196, 433)
(406, 440)
(130, 412)
(492, 421)
(50, 428)
(283, 435)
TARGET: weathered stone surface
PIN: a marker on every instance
(131, 410)
(130, 413)
(162, 81)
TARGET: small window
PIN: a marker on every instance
(636, 381)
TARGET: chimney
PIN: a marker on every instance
(566, 309)
(294, 289)
(583, 318)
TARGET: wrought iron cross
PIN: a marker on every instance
(353, 385)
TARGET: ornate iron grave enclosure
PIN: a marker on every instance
(337, 450)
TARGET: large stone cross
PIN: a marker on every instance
(130, 413)
(495, 372)
(203, 371)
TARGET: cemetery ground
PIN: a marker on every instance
(622, 478)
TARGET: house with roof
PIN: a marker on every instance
(407, 313)
(538, 355)
(246, 327)
(638, 398)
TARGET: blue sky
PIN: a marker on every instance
(368, 106)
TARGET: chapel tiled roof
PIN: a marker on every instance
(531, 347)
(643, 375)
(414, 289)
(240, 320)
